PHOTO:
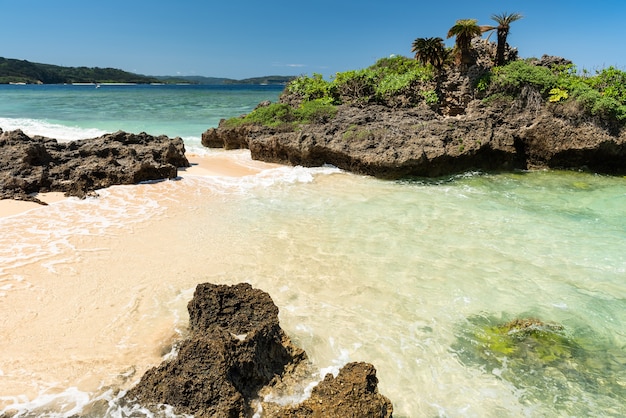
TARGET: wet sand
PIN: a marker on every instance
(98, 304)
(14, 207)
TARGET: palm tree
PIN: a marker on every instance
(430, 51)
(464, 30)
(504, 21)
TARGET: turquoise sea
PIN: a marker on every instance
(412, 276)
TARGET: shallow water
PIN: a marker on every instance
(361, 269)
(94, 292)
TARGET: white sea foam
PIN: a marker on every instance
(59, 132)
(72, 402)
(64, 404)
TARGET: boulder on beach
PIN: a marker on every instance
(234, 349)
(30, 165)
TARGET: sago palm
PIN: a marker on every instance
(430, 51)
(464, 30)
(504, 21)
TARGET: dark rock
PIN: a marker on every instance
(395, 143)
(551, 61)
(31, 165)
(236, 347)
(234, 138)
(353, 393)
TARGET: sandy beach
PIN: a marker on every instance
(82, 297)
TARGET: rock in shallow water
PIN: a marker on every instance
(236, 347)
(77, 168)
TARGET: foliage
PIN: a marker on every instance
(430, 96)
(515, 75)
(602, 95)
(381, 82)
(482, 84)
(430, 51)
(310, 88)
(397, 64)
(464, 30)
(393, 83)
(355, 85)
(277, 114)
(319, 110)
(557, 94)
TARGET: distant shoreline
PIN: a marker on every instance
(21, 72)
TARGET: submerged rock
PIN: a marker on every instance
(547, 361)
(234, 349)
(31, 165)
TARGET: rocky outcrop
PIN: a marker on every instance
(32, 165)
(395, 143)
(236, 347)
(353, 393)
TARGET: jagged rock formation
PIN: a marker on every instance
(353, 393)
(395, 143)
(236, 347)
(77, 168)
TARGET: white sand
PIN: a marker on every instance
(84, 305)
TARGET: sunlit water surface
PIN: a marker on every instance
(94, 292)
(361, 269)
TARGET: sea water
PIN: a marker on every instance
(93, 292)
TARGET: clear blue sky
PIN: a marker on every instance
(240, 39)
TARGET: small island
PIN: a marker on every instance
(476, 106)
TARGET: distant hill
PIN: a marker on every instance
(269, 80)
(21, 71)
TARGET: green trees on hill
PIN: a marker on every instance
(20, 71)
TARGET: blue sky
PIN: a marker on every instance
(240, 39)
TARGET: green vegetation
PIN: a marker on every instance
(464, 30)
(431, 78)
(602, 95)
(19, 71)
(430, 51)
(542, 359)
(514, 76)
(282, 114)
(379, 83)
